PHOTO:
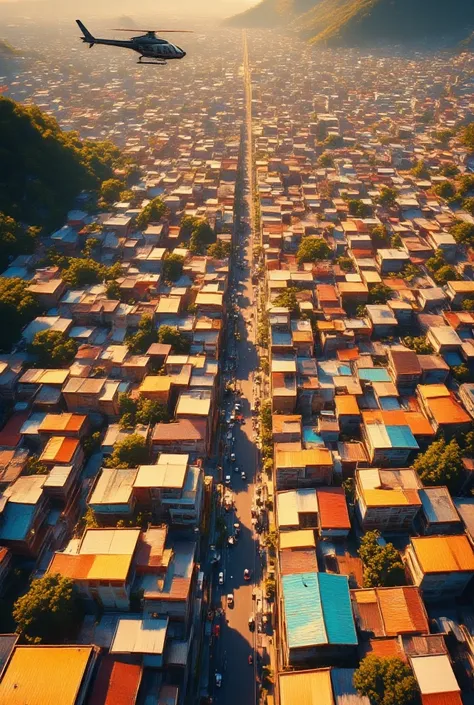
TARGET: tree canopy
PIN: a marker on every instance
(440, 464)
(379, 294)
(169, 335)
(219, 249)
(202, 235)
(151, 213)
(53, 348)
(467, 137)
(84, 271)
(463, 232)
(388, 196)
(18, 306)
(386, 681)
(141, 410)
(146, 335)
(383, 566)
(110, 190)
(15, 239)
(30, 142)
(418, 344)
(287, 299)
(312, 249)
(173, 268)
(48, 611)
(129, 453)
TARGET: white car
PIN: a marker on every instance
(230, 599)
(232, 457)
(227, 480)
(243, 475)
(221, 578)
(236, 468)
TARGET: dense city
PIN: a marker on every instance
(237, 375)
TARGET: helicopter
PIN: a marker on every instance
(148, 45)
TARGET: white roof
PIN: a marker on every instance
(139, 636)
(116, 542)
(434, 674)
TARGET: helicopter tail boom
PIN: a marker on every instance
(87, 35)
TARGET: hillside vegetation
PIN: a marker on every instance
(42, 168)
(353, 22)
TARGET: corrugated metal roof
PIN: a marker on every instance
(303, 538)
(465, 507)
(438, 505)
(441, 699)
(343, 688)
(116, 683)
(401, 437)
(139, 636)
(45, 675)
(337, 609)
(303, 610)
(434, 674)
(444, 554)
(306, 688)
(333, 512)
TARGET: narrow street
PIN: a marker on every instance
(237, 640)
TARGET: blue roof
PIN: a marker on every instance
(318, 610)
(337, 609)
(453, 359)
(374, 374)
(401, 437)
(303, 610)
(389, 404)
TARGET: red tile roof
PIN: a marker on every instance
(116, 683)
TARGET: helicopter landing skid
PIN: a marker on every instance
(152, 63)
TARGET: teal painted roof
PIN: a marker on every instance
(337, 610)
(318, 610)
(303, 610)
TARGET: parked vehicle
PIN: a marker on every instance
(230, 599)
(221, 578)
(247, 574)
(218, 680)
(243, 475)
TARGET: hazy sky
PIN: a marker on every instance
(105, 8)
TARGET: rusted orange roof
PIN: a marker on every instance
(59, 450)
(346, 405)
(333, 512)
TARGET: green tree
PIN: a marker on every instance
(358, 208)
(346, 264)
(445, 274)
(449, 170)
(129, 453)
(48, 612)
(445, 190)
(173, 268)
(169, 335)
(386, 681)
(468, 305)
(18, 306)
(468, 205)
(146, 335)
(461, 373)
(202, 236)
(420, 170)
(466, 184)
(188, 224)
(151, 213)
(313, 249)
(383, 566)
(113, 290)
(379, 294)
(462, 232)
(467, 137)
(34, 467)
(443, 136)
(82, 272)
(219, 249)
(110, 190)
(141, 410)
(53, 348)
(91, 244)
(287, 299)
(15, 239)
(419, 345)
(388, 197)
(326, 160)
(380, 236)
(440, 464)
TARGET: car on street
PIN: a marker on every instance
(246, 574)
(232, 457)
(251, 622)
(243, 475)
(218, 680)
(227, 479)
(230, 599)
(236, 468)
(221, 578)
(238, 407)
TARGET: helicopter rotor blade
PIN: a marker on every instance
(155, 31)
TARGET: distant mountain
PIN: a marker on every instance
(354, 22)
